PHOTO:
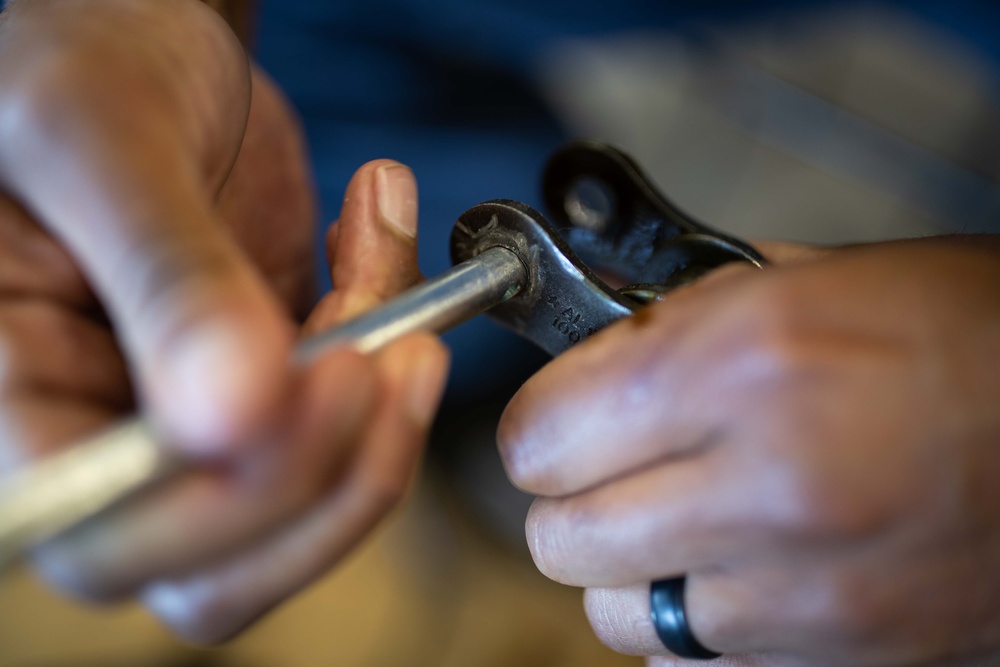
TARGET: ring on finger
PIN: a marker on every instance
(667, 609)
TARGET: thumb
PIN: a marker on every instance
(206, 341)
(115, 138)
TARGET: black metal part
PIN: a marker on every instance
(616, 219)
(563, 301)
(669, 616)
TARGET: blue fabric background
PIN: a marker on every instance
(445, 86)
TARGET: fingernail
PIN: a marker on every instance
(396, 193)
(426, 384)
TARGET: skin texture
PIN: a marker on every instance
(815, 446)
(156, 223)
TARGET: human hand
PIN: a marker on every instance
(155, 242)
(813, 445)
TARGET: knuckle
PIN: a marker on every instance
(849, 608)
(774, 346)
(810, 503)
(778, 351)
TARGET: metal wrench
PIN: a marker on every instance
(508, 260)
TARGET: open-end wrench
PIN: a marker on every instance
(508, 260)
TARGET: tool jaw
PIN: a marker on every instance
(616, 219)
(610, 213)
(563, 301)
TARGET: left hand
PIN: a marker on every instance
(814, 445)
(295, 466)
(215, 548)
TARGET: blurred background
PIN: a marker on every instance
(826, 122)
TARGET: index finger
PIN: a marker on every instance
(371, 262)
(662, 383)
(636, 393)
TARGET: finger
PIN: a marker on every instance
(634, 394)
(621, 617)
(759, 608)
(211, 513)
(621, 620)
(379, 219)
(782, 252)
(42, 423)
(268, 201)
(124, 187)
(32, 264)
(58, 371)
(208, 341)
(46, 349)
(665, 382)
(215, 604)
(373, 247)
(664, 521)
(332, 242)
(741, 611)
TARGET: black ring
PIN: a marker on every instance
(666, 607)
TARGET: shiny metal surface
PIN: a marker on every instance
(57, 493)
(563, 302)
(458, 294)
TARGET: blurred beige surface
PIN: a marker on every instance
(429, 589)
(839, 124)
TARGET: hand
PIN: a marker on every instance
(813, 445)
(156, 228)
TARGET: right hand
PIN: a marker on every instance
(814, 446)
(155, 253)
